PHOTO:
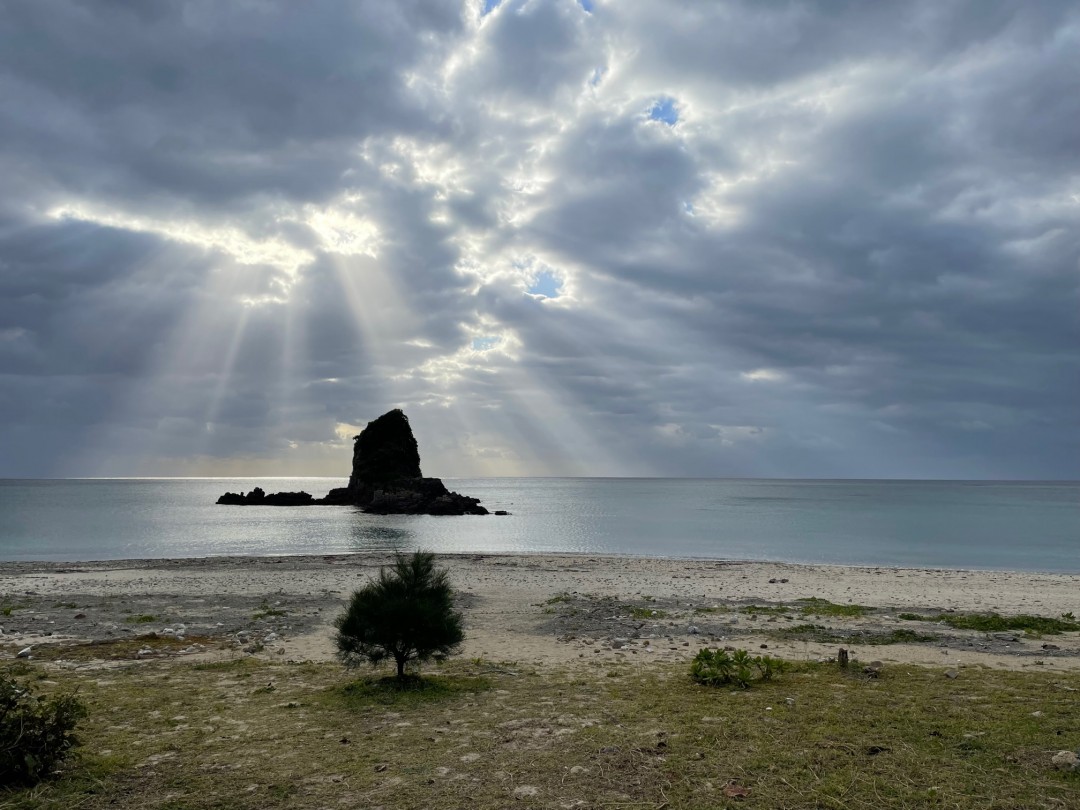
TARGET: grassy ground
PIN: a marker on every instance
(258, 734)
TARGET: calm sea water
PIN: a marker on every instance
(1006, 525)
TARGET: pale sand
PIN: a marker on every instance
(509, 616)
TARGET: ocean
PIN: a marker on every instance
(1024, 526)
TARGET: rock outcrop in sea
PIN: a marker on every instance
(386, 478)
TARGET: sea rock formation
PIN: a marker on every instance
(259, 498)
(386, 478)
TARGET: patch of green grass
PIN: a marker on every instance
(265, 611)
(559, 597)
(647, 613)
(183, 737)
(7, 608)
(706, 610)
(993, 622)
(412, 691)
(812, 606)
(143, 618)
(825, 635)
(767, 610)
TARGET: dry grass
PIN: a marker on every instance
(258, 734)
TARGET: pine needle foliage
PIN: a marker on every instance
(407, 614)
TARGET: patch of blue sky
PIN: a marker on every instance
(546, 284)
(489, 6)
(663, 109)
(485, 343)
(588, 5)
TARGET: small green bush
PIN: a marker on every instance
(35, 732)
(719, 667)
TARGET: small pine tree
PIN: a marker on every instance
(406, 614)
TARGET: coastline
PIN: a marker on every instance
(549, 609)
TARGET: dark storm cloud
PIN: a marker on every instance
(231, 234)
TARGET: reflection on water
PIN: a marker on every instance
(1033, 526)
(380, 537)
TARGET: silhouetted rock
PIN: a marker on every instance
(259, 498)
(386, 477)
(385, 480)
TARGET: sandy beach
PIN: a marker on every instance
(540, 610)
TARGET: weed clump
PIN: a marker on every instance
(35, 732)
(812, 606)
(994, 622)
(719, 667)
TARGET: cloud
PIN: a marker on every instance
(830, 239)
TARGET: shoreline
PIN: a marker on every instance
(548, 609)
(145, 562)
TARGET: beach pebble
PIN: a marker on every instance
(23, 653)
(1066, 761)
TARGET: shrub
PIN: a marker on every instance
(719, 667)
(406, 614)
(35, 732)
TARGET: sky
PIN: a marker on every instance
(828, 239)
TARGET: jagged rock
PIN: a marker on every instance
(385, 480)
(386, 477)
(259, 498)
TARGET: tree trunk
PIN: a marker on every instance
(400, 667)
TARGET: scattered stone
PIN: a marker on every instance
(525, 790)
(578, 770)
(83, 616)
(733, 790)
(693, 630)
(952, 674)
(470, 757)
(1066, 761)
(873, 669)
(382, 766)
(24, 652)
(1051, 647)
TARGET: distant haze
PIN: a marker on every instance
(828, 239)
